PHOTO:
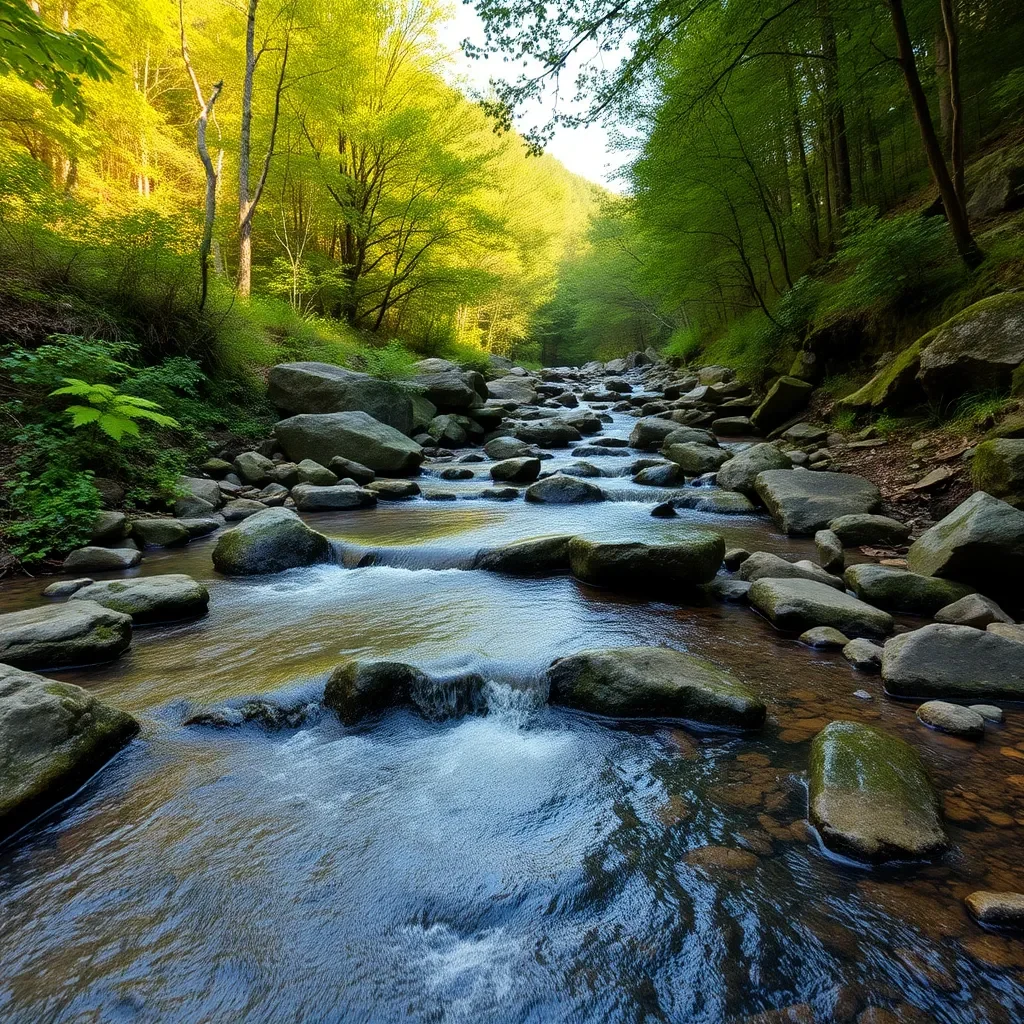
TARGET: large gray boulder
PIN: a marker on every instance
(509, 448)
(563, 490)
(802, 502)
(899, 590)
(518, 471)
(547, 433)
(200, 487)
(766, 565)
(53, 738)
(109, 528)
(160, 533)
(269, 541)
(336, 498)
(696, 459)
(541, 556)
(862, 528)
(977, 350)
(449, 389)
(786, 397)
(980, 542)
(352, 435)
(953, 662)
(691, 558)
(165, 598)
(654, 682)
(651, 432)
(63, 635)
(94, 559)
(797, 605)
(322, 388)
(870, 797)
(513, 389)
(1000, 191)
(742, 470)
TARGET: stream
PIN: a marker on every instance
(523, 865)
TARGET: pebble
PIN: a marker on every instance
(824, 637)
(862, 694)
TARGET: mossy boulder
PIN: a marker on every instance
(870, 797)
(63, 635)
(53, 737)
(767, 565)
(741, 471)
(894, 386)
(864, 528)
(691, 558)
(654, 682)
(695, 459)
(899, 590)
(269, 541)
(798, 605)
(998, 469)
(540, 556)
(352, 435)
(165, 598)
(563, 490)
(786, 397)
(360, 688)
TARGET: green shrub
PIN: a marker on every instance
(844, 420)
(392, 362)
(52, 512)
(683, 344)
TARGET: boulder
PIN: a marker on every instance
(563, 490)
(805, 434)
(53, 738)
(522, 470)
(447, 431)
(742, 470)
(1004, 629)
(542, 556)
(270, 541)
(550, 433)
(981, 542)
(696, 459)
(322, 388)
(998, 469)
(159, 533)
(691, 558)
(863, 655)
(870, 797)
(310, 472)
(765, 565)
(513, 389)
(63, 635)
(347, 469)
(830, 551)
(715, 501)
(972, 610)
(199, 487)
(191, 507)
(242, 508)
(450, 389)
(166, 598)
(651, 432)
(952, 719)
(803, 502)
(654, 682)
(797, 605)
(1000, 191)
(733, 426)
(715, 374)
(957, 662)
(977, 350)
(360, 688)
(393, 490)
(894, 386)
(108, 528)
(691, 435)
(735, 557)
(667, 475)
(65, 588)
(997, 909)
(93, 559)
(509, 448)
(825, 638)
(863, 528)
(200, 527)
(253, 468)
(337, 498)
(786, 397)
(351, 435)
(217, 468)
(899, 590)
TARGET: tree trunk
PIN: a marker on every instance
(805, 175)
(837, 117)
(244, 284)
(956, 137)
(942, 88)
(966, 246)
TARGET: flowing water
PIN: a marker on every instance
(527, 864)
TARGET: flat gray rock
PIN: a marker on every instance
(803, 502)
(765, 565)
(93, 559)
(63, 635)
(165, 598)
(899, 590)
(336, 498)
(864, 528)
(797, 605)
(952, 719)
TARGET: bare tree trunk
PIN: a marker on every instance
(966, 246)
(205, 109)
(805, 175)
(942, 88)
(956, 136)
(837, 116)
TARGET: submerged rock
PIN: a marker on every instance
(803, 502)
(953, 661)
(266, 713)
(654, 682)
(899, 590)
(270, 541)
(360, 688)
(980, 542)
(797, 605)
(870, 797)
(53, 737)
(691, 558)
(63, 635)
(952, 719)
(147, 599)
(542, 556)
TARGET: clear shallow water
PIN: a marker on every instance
(527, 865)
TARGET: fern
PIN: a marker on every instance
(113, 413)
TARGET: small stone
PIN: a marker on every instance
(1001, 909)
(952, 719)
(989, 712)
(972, 610)
(862, 694)
(824, 637)
(65, 588)
(735, 557)
(863, 655)
(665, 510)
(830, 551)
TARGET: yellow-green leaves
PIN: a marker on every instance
(113, 413)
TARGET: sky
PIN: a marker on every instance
(584, 151)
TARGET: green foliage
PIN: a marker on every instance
(683, 344)
(844, 420)
(975, 411)
(392, 362)
(113, 413)
(892, 263)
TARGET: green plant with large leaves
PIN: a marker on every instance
(113, 413)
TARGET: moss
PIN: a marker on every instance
(894, 384)
(998, 468)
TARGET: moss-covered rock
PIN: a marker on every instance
(786, 397)
(165, 598)
(870, 796)
(53, 737)
(540, 556)
(899, 590)
(654, 682)
(740, 472)
(63, 635)
(360, 688)
(269, 541)
(895, 385)
(798, 605)
(691, 558)
(998, 468)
